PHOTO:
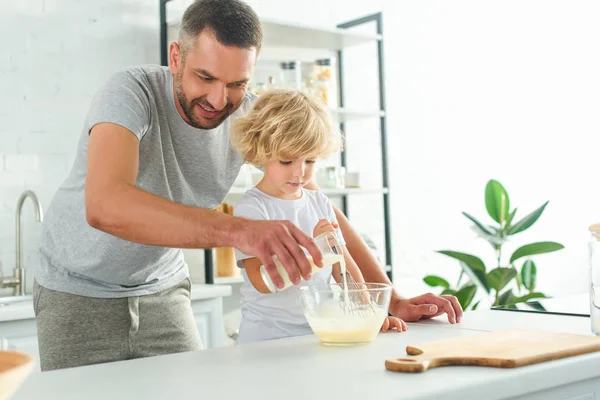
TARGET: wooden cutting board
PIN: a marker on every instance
(504, 349)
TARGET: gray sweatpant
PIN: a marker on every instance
(75, 330)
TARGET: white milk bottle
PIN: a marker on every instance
(330, 249)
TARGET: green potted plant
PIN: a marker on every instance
(511, 280)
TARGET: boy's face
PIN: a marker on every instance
(286, 178)
(210, 79)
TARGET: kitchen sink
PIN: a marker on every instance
(8, 300)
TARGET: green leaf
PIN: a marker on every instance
(496, 201)
(535, 248)
(435, 281)
(462, 273)
(465, 295)
(471, 260)
(477, 277)
(533, 295)
(478, 224)
(473, 267)
(510, 218)
(519, 281)
(526, 222)
(498, 278)
(507, 298)
(537, 306)
(448, 291)
(495, 239)
(475, 305)
(528, 273)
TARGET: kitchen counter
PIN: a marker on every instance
(24, 309)
(301, 368)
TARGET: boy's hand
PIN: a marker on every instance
(390, 323)
(324, 226)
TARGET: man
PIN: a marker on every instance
(153, 161)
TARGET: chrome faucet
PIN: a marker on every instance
(17, 282)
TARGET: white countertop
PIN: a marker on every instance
(24, 310)
(301, 368)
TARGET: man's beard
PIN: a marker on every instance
(188, 109)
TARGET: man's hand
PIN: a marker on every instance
(265, 239)
(427, 306)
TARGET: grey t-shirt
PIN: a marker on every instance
(178, 162)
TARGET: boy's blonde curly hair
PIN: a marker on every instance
(285, 125)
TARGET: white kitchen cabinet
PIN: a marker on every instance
(209, 319)
(21, 335)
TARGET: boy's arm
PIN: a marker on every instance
(413, 309)
(351, 267)
(421, 307)
(252, 267)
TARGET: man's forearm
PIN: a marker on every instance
(360, 252)
(138, 216)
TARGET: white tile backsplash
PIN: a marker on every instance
(11, 180)
(20, 162)
(55, 55)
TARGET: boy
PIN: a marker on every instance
(286, 133)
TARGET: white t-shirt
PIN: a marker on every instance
(278, 315)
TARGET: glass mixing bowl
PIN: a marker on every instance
(340, 318)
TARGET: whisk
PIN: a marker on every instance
(355, 300)
(358, 299)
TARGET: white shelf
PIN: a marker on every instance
(345, 114)
(332, 192)
(219, 280)
(327, 191)
(277, 54)
(279, 33)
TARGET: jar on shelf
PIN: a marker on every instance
(259, 88)
(289, 76)
(331, 177)
(262, 87)
(322, 69)
(321, 80)
(352, 179)
(272, 83)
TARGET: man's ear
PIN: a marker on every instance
(175, 57)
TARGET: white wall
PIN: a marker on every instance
(475, 90)
(55, 54)
(503, 90)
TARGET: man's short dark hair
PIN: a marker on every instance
(233, 22)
